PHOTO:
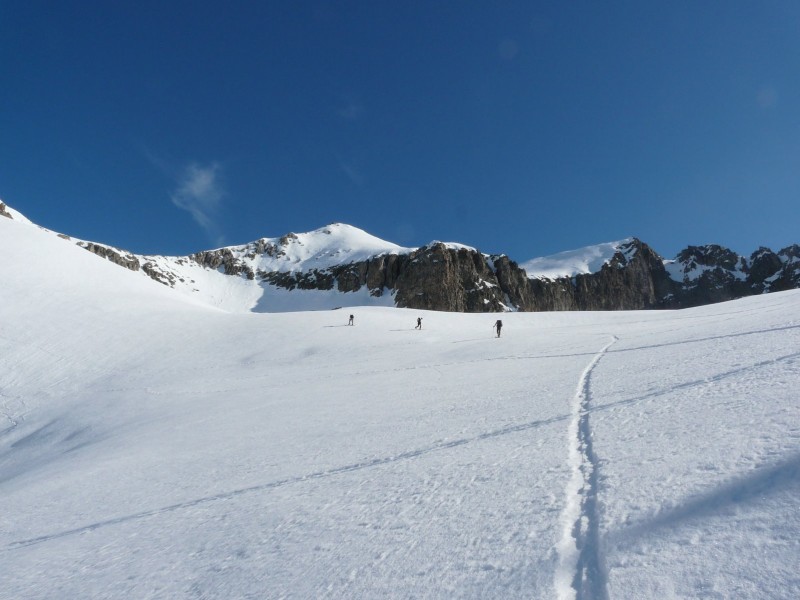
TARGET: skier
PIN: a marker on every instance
(350, 322)
(498, 325)
(419, 323)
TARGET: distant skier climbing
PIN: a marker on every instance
(350, 322)
(419, 323)
(498, 325)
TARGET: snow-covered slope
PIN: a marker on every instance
(8, 212)
(323, 248)
(589, 259)
(334, 245)
(155, 447)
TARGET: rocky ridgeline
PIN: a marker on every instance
(708, 274)
(456, 278)
(459, 279)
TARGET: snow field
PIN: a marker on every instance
(151, 447)
(711, 440)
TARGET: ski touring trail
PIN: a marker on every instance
(579, 574)
(377, 462)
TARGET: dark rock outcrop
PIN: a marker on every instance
(710, 274)
(764, 266)
(789, 277)
(127, 260)
(302, 280)
(4, 212)
(224, 257)
(522, 293)
(634, 278)
(440, 277)
(133, 262)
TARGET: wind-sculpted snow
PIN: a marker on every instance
(154, 447)
(576, 262)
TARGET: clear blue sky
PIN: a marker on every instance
(519, 127)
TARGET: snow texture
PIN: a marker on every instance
(152, 446)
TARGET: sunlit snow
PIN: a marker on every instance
(153, 446)
(589, 259)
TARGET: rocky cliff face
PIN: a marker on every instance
(455, 278)
(634, 278)
(709, 274)
(436, 277)
(764, 266)
(442, 277)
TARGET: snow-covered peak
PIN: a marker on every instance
(336, 243)
(589, 259)
(328, 246)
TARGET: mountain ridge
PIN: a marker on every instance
(340, 265)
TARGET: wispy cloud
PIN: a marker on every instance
(353, 172)
(508, 49)
(767, 97)
(200, 193)
(351, 112)
(350, 108)
(198, 189)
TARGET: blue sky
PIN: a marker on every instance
(519, 127)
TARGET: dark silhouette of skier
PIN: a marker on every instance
(498, 325)
(350, 322)
(419, 323)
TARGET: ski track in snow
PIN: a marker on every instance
(377, 462)
(579, 573)
(578, 547)
(708, 338)
(698, 382)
